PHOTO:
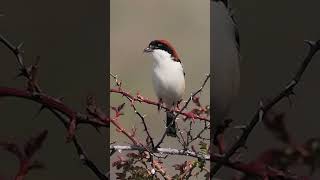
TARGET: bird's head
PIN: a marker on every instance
(162, 49)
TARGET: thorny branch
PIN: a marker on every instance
(25, 154)
(156, 151)
(141, 99)
(55, 105)
(263, 109)
(118, 84)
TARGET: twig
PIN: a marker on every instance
(82, 155)
(118, 83)
(161, 171)
(263, 109)
(115, 122)
(144, 125)
(199, 134)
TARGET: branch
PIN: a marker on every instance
(161, 151)
(52, 103)
(34, 93)
(144, 125)
(263, 109)
(140, 98)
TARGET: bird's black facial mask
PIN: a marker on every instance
(160, 45)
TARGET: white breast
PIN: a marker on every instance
(168, 78)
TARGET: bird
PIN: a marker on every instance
(225, 47)
(168, 79)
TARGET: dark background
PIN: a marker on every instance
(70, 37)
(272, 48)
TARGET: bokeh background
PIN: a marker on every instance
(70, 38)
(272, 48)
(133, 24)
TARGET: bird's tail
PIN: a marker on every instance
(171, 125)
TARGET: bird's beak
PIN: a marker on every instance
(147, 50)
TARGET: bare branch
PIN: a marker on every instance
(263, 109)
(51, 103)
(161, 151)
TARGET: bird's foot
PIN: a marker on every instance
(160, 104)
(178, 105)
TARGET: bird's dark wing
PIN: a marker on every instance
(182, 66)
(236, 31)
(226, 2)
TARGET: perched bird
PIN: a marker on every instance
(167, 77)
(226, 62)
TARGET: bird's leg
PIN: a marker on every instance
(173, 107)
(178, 103)
(160, 104)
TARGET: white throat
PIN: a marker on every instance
(161, 57)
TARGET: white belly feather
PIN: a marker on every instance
(168, 81)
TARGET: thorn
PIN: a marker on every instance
(60, 98)
(17, 76)
(97, 129)
(261, 104)
(310, 43)
(39, 111)
(289, 97)
(241, 127)
(20, 46)
(35, 94)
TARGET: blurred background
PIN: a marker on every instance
(70, 38)
(133, 24)
(272, 48)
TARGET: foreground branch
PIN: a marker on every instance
(263, 109)
(35, 94)
(82, 155)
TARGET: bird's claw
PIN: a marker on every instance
(160, 104)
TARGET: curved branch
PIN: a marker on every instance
(53, 104)
(263, 109)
